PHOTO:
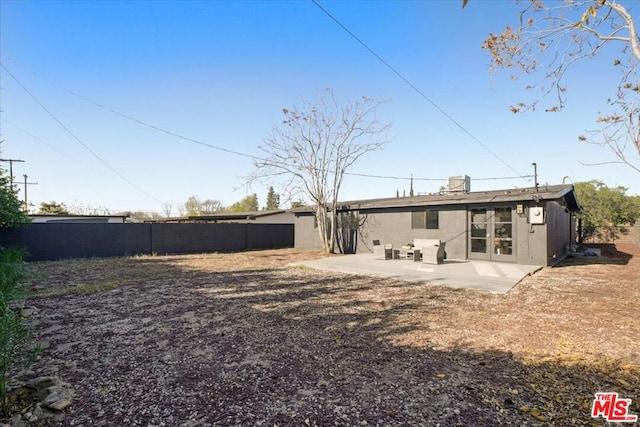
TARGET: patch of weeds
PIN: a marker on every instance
(83, 288)
(14, 334)
(302, 267)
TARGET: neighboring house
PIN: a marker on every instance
(525, 226)
(77, 219)
(263, 217)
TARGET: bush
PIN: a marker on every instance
(13, 331)
(11, 214)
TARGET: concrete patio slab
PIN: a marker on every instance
(495, 277)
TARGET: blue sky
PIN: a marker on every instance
(220, 72)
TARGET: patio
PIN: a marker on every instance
(495, 277)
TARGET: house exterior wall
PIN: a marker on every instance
(535, 244)
(559, 232)
(531, 239)
(394, 226)
(279, 218)
(544, 244)
(306, 234)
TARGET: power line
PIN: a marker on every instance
(42, 141)
(216, 147)
(414, 87)
(111, 168)
(143, 123)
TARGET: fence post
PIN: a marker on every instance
(150, 252)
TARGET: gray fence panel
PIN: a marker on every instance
(268, 236)
(53, 241)
(60, 241)
(198, 238)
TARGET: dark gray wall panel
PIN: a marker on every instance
(58, 241)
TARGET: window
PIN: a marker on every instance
(428, 219)
(432, 220)
(418, 219)
(503, 232)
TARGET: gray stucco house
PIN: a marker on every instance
(524, 226)
(268, 217)
(278, 216)
(78, 219)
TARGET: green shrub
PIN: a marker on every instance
(13, 332)
(11, 213)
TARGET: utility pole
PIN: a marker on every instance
(11, 161)
(26, 184)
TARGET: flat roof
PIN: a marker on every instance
(542, 192)
(76, 216)
(234, 215)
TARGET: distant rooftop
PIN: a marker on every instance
(226, 216)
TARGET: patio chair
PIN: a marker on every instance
(433, 251)
(382, 251)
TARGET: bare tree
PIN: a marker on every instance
(315, 145)
(166, 209)
(193, 206)
(83, 209)
(210, 206)
(553, 37)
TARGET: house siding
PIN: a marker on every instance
(535, 244)
(530, 238)
(559, 232)
(279, 218)
(390, 221)
(395, 227)
(306, 234)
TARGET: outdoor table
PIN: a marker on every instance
(407, 254)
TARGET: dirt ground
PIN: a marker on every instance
(245, 339)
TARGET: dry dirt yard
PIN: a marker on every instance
(245, 339)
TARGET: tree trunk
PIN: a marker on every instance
(333, 229)
(321, 220)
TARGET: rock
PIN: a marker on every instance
(442, 400)
(37, 411)
(26, 312)
(41, 383)
(61, 404)
(17, 421)
(58, 398)
(51, 398)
